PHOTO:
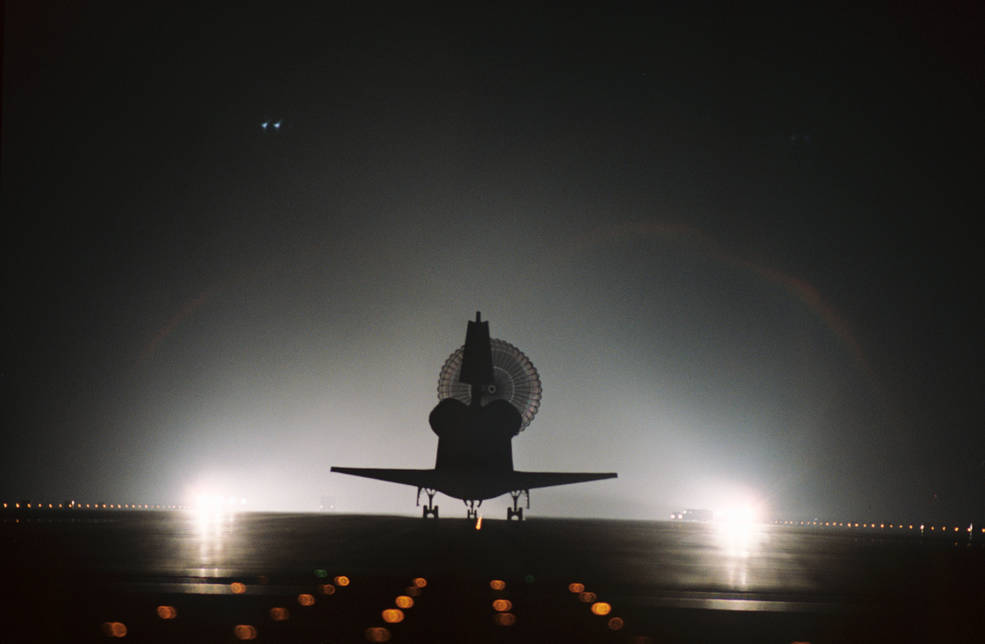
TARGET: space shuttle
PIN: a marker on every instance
(489, 391)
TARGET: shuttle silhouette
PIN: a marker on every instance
(489, 392)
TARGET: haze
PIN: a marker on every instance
(734, 245)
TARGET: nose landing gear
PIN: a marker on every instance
(473, 508)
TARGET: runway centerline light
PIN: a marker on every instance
(342, 580)
(237, 587)
(393, 615)
(504, 619)
(279, 614)
(166, 612)
(420, 582)
(306, 599)
(114, 629)
(601, 608)
(377, 634)
(497, 584)
(502, 605)
(576, 587)
(245, 632)
(616, 623)
(403, 601)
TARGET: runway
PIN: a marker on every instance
(193, 577)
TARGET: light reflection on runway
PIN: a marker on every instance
(638, 577)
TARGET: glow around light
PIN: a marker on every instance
(748, 513)
(217, 503)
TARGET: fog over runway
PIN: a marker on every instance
(182, 576)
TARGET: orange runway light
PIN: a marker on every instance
(497, 584)
(413, 591)
(575, 587)
(502, 605)
(114, 629)
(601, 608)
(587, 597)
(377, 634)
(245, 632)
(279, 614)
(166, 612)
(238, 588)
(341, 580)
(420, 582)
(306, 599)
(327, 589)
(616, 623)
(393, 615)
(504, 619)
(403, 601)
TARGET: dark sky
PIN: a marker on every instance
(741, 249)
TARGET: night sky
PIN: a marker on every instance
(740, 248)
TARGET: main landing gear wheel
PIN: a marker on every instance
(472, 512)
(517, 511)
(430, 510)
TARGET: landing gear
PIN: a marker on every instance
(429, 510)
(517, 511)
(473, 508)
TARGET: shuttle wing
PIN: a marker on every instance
(474, 485)
(531, 480)
(420, 478)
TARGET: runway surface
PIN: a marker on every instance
(186, 577)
